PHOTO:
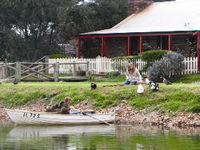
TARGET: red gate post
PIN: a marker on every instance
(103, 46)
(78, 53)
(129, 46)
(169, 43)
(141, 45)
(198, 49)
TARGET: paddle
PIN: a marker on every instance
(96, 118)
(86, 114)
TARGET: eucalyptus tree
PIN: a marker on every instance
(96, 15)
(34, 25)
(30, 29)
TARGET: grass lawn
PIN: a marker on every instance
(176, 97)
(188, 78)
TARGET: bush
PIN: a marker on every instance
(151, 56)
(126, 58)
(57, 56)
(171, 64)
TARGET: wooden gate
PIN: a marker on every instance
(20, 71)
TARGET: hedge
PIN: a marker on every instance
(152, 55)
(57, 56)
(126, 58)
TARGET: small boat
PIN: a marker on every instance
(28, 117)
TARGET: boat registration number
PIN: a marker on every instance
(31, 115)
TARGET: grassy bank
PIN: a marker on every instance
(176, 97)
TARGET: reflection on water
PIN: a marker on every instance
(97, 138)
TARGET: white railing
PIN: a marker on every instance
(191, 65)
(101, 65)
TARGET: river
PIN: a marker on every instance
(100, 137)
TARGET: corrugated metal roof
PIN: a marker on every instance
(173, 16)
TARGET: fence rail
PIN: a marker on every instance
(18, 71)
(101, 65)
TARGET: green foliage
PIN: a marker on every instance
(153, 55)
(22, 98)
(131, 58)
(194, 109)
(139, 102)
(172, 105)
(170, 63)
(188, 78)
(32, 29)
(91, 77)
(57, 56)
(42, 25)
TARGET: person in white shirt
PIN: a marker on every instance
(132, 75)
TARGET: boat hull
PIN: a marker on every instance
(28, 117)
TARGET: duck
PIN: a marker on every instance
(140, 89)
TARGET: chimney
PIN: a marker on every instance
(135, 6)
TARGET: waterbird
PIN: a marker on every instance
(167, 82)
(140, 89)
(154, 86)
(93, 86)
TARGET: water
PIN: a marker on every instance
(97, 138)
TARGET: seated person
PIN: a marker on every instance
(132, 75)
(64, 107)
(61, 108)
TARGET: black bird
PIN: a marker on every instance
(154, 86)
(167, 82)
(93, 86)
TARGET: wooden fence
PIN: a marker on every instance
(101, 65)
(18, 71)
(191, 65)
(73, 66)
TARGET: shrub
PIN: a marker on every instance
(57, 56)
(171, 64)
(132, 58)
(151, 56)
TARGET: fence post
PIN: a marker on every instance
(18, 72)
(6, 69)
(1, 70)
(87, 68)
(40, 69)
(74, 68)
(56, 71)
(46, 61)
